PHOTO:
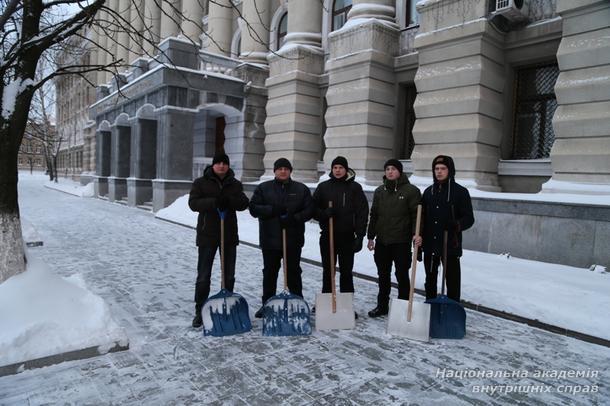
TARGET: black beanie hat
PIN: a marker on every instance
(282, 163)
(221, 158)
(340, 160)
(393, 162)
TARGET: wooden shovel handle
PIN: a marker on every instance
(222, 252)
(414, 265)
(284, 267)
(331, 239)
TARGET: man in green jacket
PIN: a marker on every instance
(390, 233)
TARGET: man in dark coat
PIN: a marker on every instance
(391, 231)
(216, 191)
(281, 204)
(349, 212)
(446, 207)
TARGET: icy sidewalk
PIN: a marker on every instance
(564, 296)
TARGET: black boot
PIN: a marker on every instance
(259, 313)
(197, 320)
(379, 311)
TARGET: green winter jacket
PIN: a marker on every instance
(394, 211)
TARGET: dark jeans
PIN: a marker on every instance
(452, 276)
(272, 262)
(344, 251)
(204, 271)
(400, 255)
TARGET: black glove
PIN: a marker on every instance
(278, 210)
(287, 220)
(329, 212)
(357, 244)
(222, 202)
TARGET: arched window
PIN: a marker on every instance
(340, 10)
(282, 30)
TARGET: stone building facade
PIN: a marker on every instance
(521, 102)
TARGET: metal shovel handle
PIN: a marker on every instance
(414, 265)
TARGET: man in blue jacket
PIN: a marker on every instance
(281, 204)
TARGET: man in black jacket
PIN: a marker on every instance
(279, 204)
(216, 191)
(446, 207)
(349, 212)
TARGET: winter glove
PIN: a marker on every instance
(329, 212)
(222, 202)
(357, 244)
(287, 220)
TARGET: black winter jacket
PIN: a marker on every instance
(445, 203)
(202, 199)
(349, 202)
(293, 195)
(394, 211)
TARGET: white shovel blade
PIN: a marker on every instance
(419, 326)
(342, 319)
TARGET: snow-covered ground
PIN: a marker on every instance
(145, 271)
(560, 295)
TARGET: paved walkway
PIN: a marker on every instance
(144, 269)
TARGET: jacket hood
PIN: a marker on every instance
(350, 176)
(445, 160)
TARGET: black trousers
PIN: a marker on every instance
(204, 271)
(385, 255)
(272, 262)
(452, 276)
(344, 252)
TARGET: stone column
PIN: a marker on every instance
(152, 22)
(294, 117)
(362, 93)
(459, 104)
(175, 155)
(255, 34)
(123, 46)
(170, 18)
(114, 34)
(143, 165)
(580, 154)
(102, 167)
(220, 27)
(136, 17)
(120, 158)
(192, 14)
(103, 43)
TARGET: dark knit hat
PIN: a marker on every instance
(221, 158)
(282, 163)
(393, 162)
(340, 160)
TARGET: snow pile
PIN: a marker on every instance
(42, 314)
(71, 187)
(179, 212)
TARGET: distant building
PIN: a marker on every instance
(31, 154)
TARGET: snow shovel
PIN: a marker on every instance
(447, 317)
(225, 313)
(334, 311)
(409, 318)
(286, 314)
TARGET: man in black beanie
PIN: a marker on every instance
(281, 204)
(215, 192)
(349, 212)
(391, 231)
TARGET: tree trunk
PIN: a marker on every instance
(11, 240)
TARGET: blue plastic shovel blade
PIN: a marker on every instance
(447, 318)
(224, 314)
(286, 315)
